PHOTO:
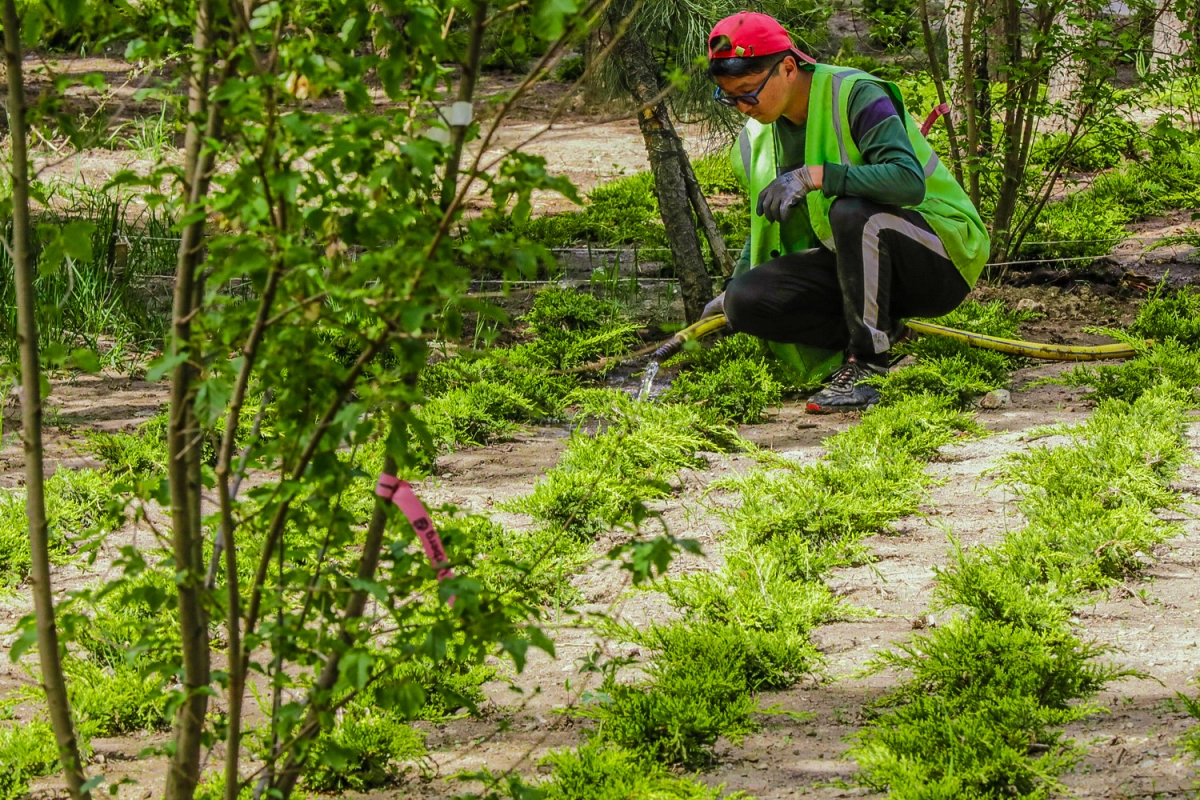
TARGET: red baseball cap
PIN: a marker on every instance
(750, 35)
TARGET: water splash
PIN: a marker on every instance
(648, 381)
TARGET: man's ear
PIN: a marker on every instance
(790, 69)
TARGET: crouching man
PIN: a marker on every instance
(855, 224)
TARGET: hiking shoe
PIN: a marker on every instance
(847, 389)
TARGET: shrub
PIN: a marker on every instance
(116, 700)
(28, 750)
(1167, 315)
(1189, 744)
(141, 453)
(603, 479)
(696, 691)
(78, 503)
(476, 415)
(365, 749)
(981, 696)
(716, 176)
(952, 369)
(980, 715)
(737, 390)
(599, 771)
(537, 563)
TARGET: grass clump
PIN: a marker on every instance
(366, 748)
(603, 478)
(1172, 321)
(736, 379)
(78, 503)
(601, 771)
(28, 750)
(947, 368)
(697, 689)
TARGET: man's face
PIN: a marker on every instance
(772, 99)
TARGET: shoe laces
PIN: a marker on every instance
(847, 375)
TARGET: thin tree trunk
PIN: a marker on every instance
(1014, 126)
(935, 69)
(183, 433)
(237, 688)
(1168, 42)
(969, 93)
(1066, 77)
(49, 658)
(666, 153)
(708, 223)
(289, 774)
(466, 91)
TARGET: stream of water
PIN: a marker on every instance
(648, 381)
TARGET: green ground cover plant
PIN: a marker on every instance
(367, 747)
(1189, 744)
(625, 212)
(736, 379)
(601, 771)
(988, 692)
(1088, 222)
(746, 626)
(604, 479)
(1166, 334)
(79, 505)
(27, 751)
(947, 368)
(478, 400)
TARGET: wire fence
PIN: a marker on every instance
(637, 255)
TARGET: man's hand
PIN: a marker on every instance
(787, 191)
(714, 307)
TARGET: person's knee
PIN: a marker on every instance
(743, 301)
(848, 215)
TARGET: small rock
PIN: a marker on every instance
(1000, 398)
(1029, 304)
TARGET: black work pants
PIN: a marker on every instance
(889, 265)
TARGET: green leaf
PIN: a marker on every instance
(264, 15)
(550, 16)
(92, 784)
(540, 640)
(85, 360)
(77, 239)
(26, 639)
(161, 366)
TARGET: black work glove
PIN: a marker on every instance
(782, 194)
(714, 307)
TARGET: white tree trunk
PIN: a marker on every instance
(953, 22)
(1169, 44)
(1066, 78)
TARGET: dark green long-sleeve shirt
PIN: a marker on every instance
(892, 175)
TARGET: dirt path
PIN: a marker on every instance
(1130, 750)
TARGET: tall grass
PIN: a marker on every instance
(105, 303)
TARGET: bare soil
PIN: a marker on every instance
(1130, 751)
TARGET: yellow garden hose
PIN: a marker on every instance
(1013, 347)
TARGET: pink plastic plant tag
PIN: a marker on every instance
(400, 492)
(927, 126)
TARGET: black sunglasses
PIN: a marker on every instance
(751, 99)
